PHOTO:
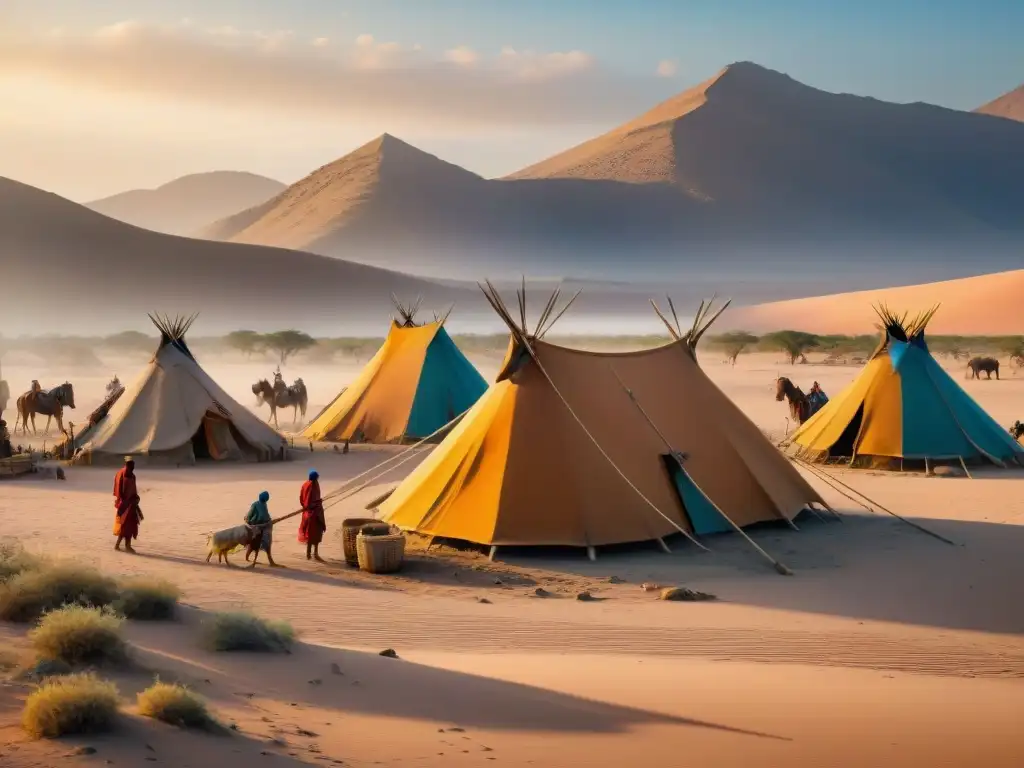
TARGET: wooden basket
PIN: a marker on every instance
(380, 553)
(349, 531)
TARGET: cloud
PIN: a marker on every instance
(667, 68)
(366, 77)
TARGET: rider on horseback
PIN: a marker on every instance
(816, 397)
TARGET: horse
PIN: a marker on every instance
(800, 408)
(281, 396)
(976, 365)
(50, 404)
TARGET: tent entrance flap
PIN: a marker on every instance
(704, 517)
(847, 441)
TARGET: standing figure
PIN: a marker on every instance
(126, 504)
(313, 524)
(259, 516)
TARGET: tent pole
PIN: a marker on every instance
(591, 554)
(927, 469)
(493, 553)
(964, 465)
(663, 545)
(779, 566)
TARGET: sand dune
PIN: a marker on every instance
(183, 205)
(988, 304)
(1009, 105)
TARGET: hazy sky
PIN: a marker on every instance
(98, 96)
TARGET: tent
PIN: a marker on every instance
(175, 413)
(416, 383)
(584, 449)
(903, 405)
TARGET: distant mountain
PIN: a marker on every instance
(750, 175)
(983, 305)
(1010, 105)
(182, 206)
(67, 268)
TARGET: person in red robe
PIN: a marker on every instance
(313, 524)
(128, 515)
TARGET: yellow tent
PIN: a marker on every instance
(903, 405)
(416, 383)
(580, 448)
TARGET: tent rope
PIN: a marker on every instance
(344, 489)
(831, 480)
(776, 564)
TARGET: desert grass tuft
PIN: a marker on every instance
(246, 632)
(32, 593)
(14, 560)
(177, 705)
(75, 704)
(146, 599)
(78, 635)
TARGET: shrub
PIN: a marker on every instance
(70, 705)
(246, 632)
(15, 560)
(147, 599)
(176, 705)
(31, 593)
(78, 635)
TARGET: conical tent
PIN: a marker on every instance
(175, 413)
(903, 405)
(581, 448)
(416, 383)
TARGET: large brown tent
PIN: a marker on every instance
(581, 448)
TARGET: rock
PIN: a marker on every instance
(685, 595)
(335, 669)
(616, 580)
(650, 586)
(48, 668)
(388, 653)
(85, 751)
(304, 732)
(945, 470)
(483, 600)
(541, 592)
(584, 597)
(499, 582)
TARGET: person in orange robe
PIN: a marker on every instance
(313, 524)
(128, 515)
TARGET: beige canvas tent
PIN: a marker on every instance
(175, 413)
(580, 448)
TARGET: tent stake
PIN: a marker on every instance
(591, 554)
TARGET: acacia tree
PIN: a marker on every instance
(796, 344)
(245, 342)
(733, 343)
(287, 343)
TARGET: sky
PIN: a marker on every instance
(100, 96)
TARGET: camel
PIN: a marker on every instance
(800, 407)
(50, 404)
(976, 365)
(278, 395)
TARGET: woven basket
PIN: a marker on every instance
(349, 531)
(380, 553)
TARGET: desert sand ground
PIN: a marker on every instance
(885, 644)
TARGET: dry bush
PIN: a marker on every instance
(246, 632)
(176, 705)
(14, 560)
(147, 599)
(78, 635)
(75, 704)
(32, 593)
